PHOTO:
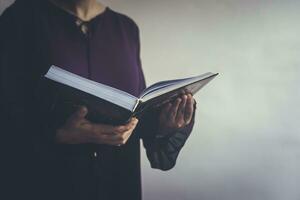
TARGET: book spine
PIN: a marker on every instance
(138, 101)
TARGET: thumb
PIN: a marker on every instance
(81, 112)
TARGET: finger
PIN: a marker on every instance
(173, 110)
(129, 133)
(120, 139)
(164, 113)
(181, 111)
(80, 113)
(104, 129)
(124, 134)
(132, 123)
(118, 130)
(109, 141)
(107, 134)
(189, 110)
(166, 108)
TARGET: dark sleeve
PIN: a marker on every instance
(162, 152)
(25, 116)
(22, 121)
(14, 96)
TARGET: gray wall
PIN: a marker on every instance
(245, 144)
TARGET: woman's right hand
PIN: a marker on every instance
(78, 130)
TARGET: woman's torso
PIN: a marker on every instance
(107, 53)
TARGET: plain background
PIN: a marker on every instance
(245, 143)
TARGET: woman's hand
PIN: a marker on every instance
(177, 114)
(78, 129)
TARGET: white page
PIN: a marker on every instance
(175, 85)
(108, 93)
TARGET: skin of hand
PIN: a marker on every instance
(78, 130)
(177, 114)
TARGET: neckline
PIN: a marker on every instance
(64, 11)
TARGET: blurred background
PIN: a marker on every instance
(246, 141)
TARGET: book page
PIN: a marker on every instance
(198, 81)
(106, 92)
(160, 85)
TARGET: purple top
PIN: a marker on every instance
(106, 49)
(108, 52)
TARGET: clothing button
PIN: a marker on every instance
(95, 154)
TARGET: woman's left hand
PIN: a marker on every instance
(177, 114)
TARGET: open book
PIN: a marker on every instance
(111, 105)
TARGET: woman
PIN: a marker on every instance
(67, 156)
